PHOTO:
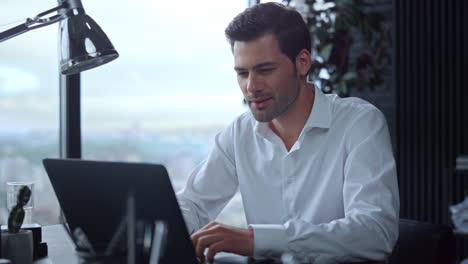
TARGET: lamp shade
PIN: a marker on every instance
(83, 45)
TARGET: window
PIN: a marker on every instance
(170, 91)
(29, 110)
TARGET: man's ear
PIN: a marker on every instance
(303, 62)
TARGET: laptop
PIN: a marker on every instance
(93, 198)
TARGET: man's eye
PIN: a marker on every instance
(242, 74)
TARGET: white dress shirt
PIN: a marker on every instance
(332, 198)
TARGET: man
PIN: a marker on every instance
(316, 172)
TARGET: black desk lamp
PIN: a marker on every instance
(83, 44)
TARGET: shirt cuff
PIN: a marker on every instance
(269, 240)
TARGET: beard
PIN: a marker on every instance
(278, 106)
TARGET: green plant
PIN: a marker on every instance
(16, 217)
(334, 25)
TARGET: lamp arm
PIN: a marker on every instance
(32, 23)
(13, 32)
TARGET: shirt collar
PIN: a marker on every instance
(320, 115)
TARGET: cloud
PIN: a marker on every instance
(16, 81)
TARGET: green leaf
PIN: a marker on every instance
(342, 89)
(349, 76)
(322, 34)
(326, 51)
(345, 4)
(351, 17)
(333, 77)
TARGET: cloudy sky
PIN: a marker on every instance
(175, 67)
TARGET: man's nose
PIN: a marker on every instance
(253, 83)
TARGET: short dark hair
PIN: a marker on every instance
(271, 18)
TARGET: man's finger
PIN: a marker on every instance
(204, 242)
(206, 227)
(215, 248)
(194, 238)
(211, 224)
(206, 230)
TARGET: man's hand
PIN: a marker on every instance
(218, 237)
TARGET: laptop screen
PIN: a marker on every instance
(93, 197)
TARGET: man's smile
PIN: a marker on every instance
(262, 102)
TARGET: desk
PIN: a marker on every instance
(62, 249)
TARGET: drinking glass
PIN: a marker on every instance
(13, 189)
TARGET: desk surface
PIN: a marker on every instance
(62, 250)
(60, 246)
